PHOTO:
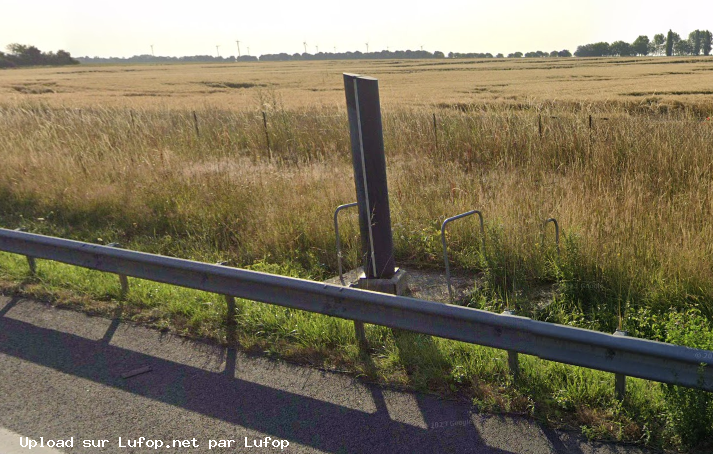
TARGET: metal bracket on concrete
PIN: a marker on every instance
(338, 241)
(445, 247)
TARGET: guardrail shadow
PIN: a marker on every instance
(322, 425)
(299, 419)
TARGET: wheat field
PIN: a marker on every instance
(531, 82)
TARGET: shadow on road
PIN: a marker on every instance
(322, 425)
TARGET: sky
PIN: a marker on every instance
(130, 27)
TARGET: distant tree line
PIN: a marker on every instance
(698, 42)
(356, 55)
(23, 55)
(152, 59)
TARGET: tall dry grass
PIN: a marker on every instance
(632, 192)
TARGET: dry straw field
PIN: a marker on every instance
(403, 83)
(175, 159)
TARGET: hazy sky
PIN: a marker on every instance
(129, 27)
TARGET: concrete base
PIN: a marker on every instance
(396, 285)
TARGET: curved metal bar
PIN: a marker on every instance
(557, 232)
(336, 232)
(445, 247)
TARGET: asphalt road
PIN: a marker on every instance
(62, 381)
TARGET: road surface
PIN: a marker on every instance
(81, 384)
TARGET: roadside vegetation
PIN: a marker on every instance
(630, 183)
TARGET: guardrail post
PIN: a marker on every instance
(620, 379)
(231, 326)
(30, 260)
(230, 323)
(123, 280)
(445, 246)
(513, 358)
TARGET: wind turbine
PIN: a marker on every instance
(238, 43)
(316, 49)
(421, 46)
(305, 44)
(217, 50)
(367, 48)
(248, 50)
(152, 50)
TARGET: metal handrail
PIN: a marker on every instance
(623, 355)
(557, 232)
(445, 247)
(336, 233)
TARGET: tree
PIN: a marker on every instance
(640, 46)
(706, 38)
(620, 48)
(658, 43)
(24, 55)
(682, 47)
(515, 55)
(564, 53)
(5, 62)
(600, 49)
(670, 42)
(694, 38)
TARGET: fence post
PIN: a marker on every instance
(435, 131)
(267, 136)
(539, 124)
(195, 123)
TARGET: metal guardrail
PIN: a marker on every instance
(623, 355)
